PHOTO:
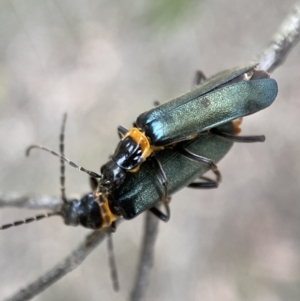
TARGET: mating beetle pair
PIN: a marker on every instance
(142, 191)
(226, 96)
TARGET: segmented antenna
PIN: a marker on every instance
(90, 173)
(29, 220)
(62, 182)
(62, 162)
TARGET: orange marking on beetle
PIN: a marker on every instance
(106, 215)
(236, 125)
(141, 140)
(134, 169)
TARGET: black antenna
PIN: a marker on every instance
(29, 220)
(62, 182)
(62, 162)
(90, 173)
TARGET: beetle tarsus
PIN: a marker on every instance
(207, 184)
(242, 139)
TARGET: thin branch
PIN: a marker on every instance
(30, 201)
(146, 258)
(283, 41)
(67, 265)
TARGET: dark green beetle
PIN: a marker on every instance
(226, 96)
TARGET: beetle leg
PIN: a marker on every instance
(112, 261)
(93, 183)
(244, 139)
(200, 159)
(113, 227)
(121, 131)
(199, 78)
(164, 182)
(207, 184)
(159, 214)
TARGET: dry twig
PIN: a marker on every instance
(30, 202)
(146, 257)
(285, 38)
(67, 265)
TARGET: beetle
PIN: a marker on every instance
(228, 95)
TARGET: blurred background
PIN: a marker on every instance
(105, 62)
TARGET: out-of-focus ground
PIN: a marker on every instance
(104, 62)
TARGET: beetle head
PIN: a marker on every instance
(84, 212)
(112, 176)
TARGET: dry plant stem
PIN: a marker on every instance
(273, 56)
(30, 202)
(286, 37)
(67, 265)
(146, 258)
